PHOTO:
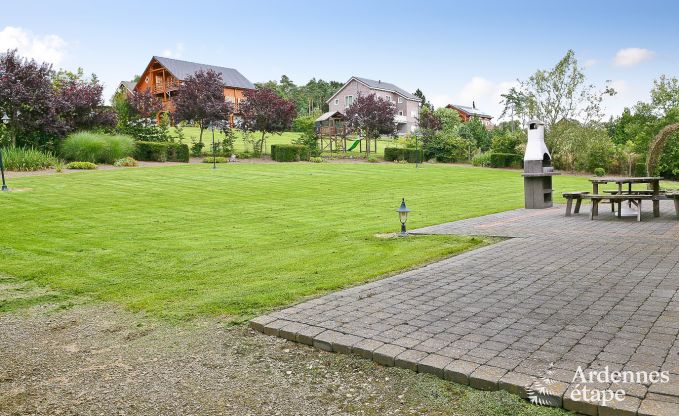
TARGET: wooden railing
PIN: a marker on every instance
(332, 131)
(170, 85)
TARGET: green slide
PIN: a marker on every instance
(353, 146)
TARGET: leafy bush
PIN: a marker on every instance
(316, 159)
(373, 159)
(304, 124)
(162, 152)
(216, 159)
(410, 155)
(600, 172)
(244, 155)
(308, 140)
(482, 160)
(96, 147)
(505, 160)
(16, 158)
(445, 147)
(127, 162)
(289, 152)
(640, 169)
(81, 165)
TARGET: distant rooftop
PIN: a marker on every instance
(381, 85)
(128, 84)
(471, 110)
(182, 69)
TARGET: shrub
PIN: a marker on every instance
(600, 172)
(127, 162)
(445, 147)
(96, 147)
(216, 159)
(162, 152)
(482, 159)
(16, 158)
(373, 159)
(81, 165)
(289, 152)
(407, 154)
(244, 155)
(316, 159)
(640, 169)
(505, 160)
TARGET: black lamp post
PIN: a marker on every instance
(403, 217)
(5, 120)
(214, 149)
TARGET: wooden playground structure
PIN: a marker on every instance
(331, 135)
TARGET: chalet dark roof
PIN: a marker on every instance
(182, 69)
(128, 84)
(471, 111)
(381, 85)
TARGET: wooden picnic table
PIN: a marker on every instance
(653, 181)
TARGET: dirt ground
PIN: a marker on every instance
(63, 355)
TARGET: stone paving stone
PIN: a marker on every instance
(516, 383)
(408, 359)
(459, 371)
(486, 377)
(386, 354)
(657, 408)
(567, 291)
(627, 407)
(433, 364)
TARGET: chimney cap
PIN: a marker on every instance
(536, 121)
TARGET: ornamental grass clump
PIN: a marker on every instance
(19, 159)
(97, 147)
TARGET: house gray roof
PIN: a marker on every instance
(381, 85)
(128, 84)
(182, 69)
(471, 111)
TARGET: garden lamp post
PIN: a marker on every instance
(403, 217)
(214, 150)
(417, 149)
(5, 121)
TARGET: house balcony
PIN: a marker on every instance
(400, 119)
(160, 88)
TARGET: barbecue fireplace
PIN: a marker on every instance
(537, 168)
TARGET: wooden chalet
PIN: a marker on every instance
(467, 113)
(163, 76)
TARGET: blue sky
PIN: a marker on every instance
(454, 51)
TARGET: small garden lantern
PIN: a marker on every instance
(403, 217)
(5, 121)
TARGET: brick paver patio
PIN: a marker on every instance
(561, 293)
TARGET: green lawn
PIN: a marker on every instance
(193, 133)
(181, 241)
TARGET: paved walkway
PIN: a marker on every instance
(522, 315)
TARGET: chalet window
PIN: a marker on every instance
(336, 101)
(388, 98)
(413, 113)
(348, 101)
(399, 100)
(400, 113)
(146, 80)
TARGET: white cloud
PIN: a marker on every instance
(177, 52)
(590, 63)
(47, 48)
(632, 56)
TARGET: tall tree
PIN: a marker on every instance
(665, 94)
(79, 101)
(371, 116)
(425, 104)
(265, 112)
(559, 93)
(201, 98)
(145, 104)
(26, 97)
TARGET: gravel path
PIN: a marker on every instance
(62, 355)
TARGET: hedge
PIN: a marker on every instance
(505, 160)
(162, 152)
(409, 154)
(289, 152)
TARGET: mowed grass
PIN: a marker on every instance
(193, 133)
(182, 241)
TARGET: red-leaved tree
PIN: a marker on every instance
(145, 104)
(371, 116)
(201, 98)
(264, 111)
(79, 103)
(26, 97)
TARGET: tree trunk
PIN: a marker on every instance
(200, 137)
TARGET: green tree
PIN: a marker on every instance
(665, 94)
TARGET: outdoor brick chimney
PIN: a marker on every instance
(537, 168)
